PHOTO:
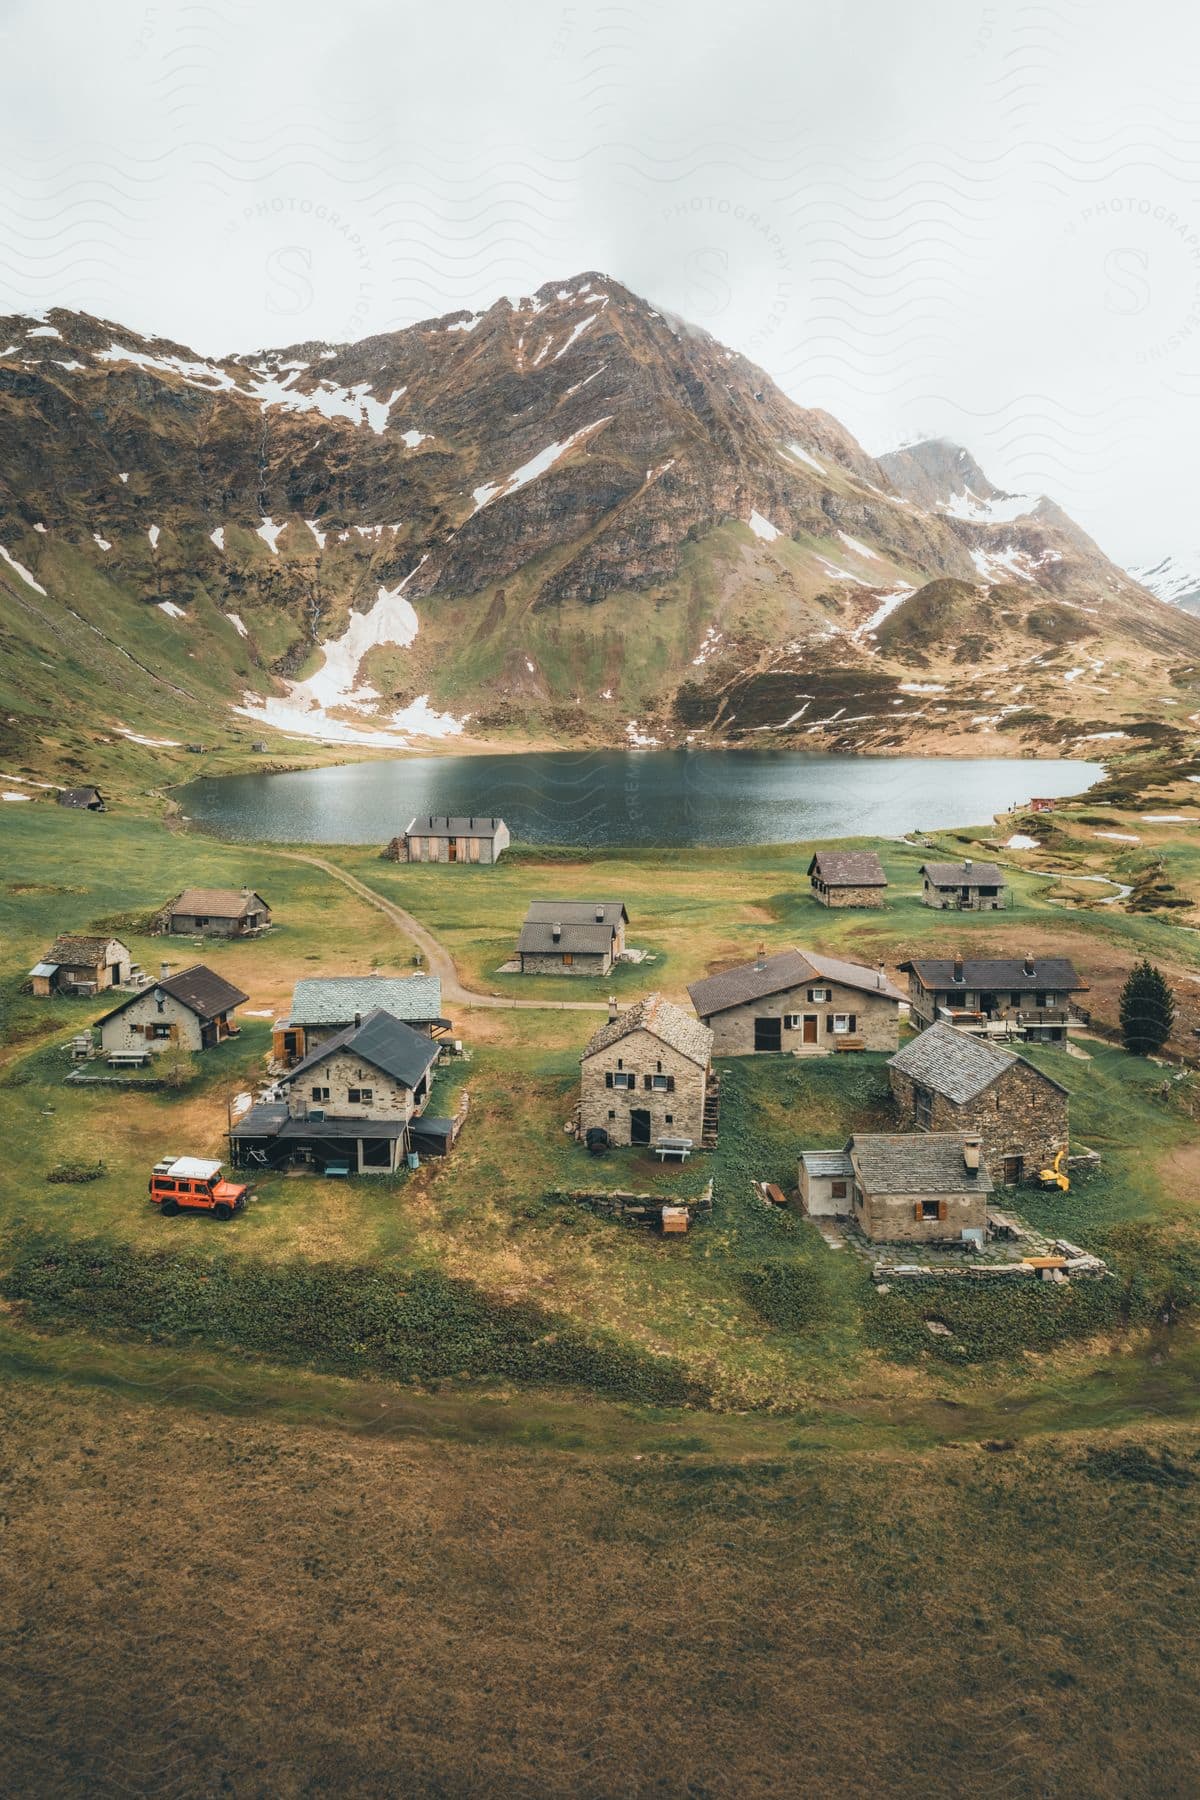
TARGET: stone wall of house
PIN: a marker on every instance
(850, 896)
(818, 1199)
(127, 1031)
(420, 847)
(339, 1073)
(947, 899)
(550, 962)
(877, 1020)
(892, 1218)
(677, 1114)
(189, 925)
(1020, 1115)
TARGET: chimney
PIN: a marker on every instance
(357, 1020)
(1028, 964)
(966, 865)
(246, 893)
(971, 1151)
(612, 1009)
(880, 976)
(556, 932)
(760, 961)
(599, 915)
(958, 965)
(164, 969)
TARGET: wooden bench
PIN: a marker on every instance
(127, 1059)
(775, 1195)
(335, 1169)
(680, 1147)
(843, 1042)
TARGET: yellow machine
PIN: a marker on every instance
(1054, 1176)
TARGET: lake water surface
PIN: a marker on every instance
(606, 797)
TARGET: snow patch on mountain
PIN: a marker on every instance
(763, 528)
(537, 465)
(21, 570)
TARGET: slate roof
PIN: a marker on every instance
(69, 949)
(775, 974)
(80, 796)
(339, 999)
(957, 1065)
(581, 930)
(215, 903)
(453, 825)
(663, 1020)
(826, 1162)
(386, 1043)
(1053, 973)
(962, 874)
(848, 868)
(918, 1162)
(200, 989)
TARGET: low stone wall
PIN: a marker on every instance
(619, 1203)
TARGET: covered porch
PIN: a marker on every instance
(267, 1137)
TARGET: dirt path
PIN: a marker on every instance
(440, 962)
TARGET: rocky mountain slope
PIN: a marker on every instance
(568, 516)
(1175, 579)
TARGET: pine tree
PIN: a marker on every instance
(1147, 1010)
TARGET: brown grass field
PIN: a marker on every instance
(202, 1602)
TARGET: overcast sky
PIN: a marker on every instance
(978, 221)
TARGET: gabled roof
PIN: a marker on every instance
(454, 825)
(917, 1162)
(581, 929)
(1056, 973)
(69, 949)
(339, 999)
(386, 1043)
(79, 796)
(964, 874)
(826, 1162)
(775, 974)
(200, 989)
(216, 903)
(663, 1020)
(848, 868)
(958, 1066)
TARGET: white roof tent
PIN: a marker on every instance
(187, 1168)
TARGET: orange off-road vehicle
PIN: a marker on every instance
(192, 1182)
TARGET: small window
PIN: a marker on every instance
(792, 1021)
(837, 1190)
(842, 1023)
(162, 1031)
(930, 1209)
(818, 994)
(623, 1081)
(1041, 999)
(360, 1096)
(568, 959)
(923, 1106)
(660, 1082)
(320, 1093)
(612, 1112)
(668, 1118)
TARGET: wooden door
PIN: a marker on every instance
(810, 1028)
(639, 1126)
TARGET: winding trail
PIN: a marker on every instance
(439, 959)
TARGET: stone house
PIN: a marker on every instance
(847, 878)
(83, 799)
(572, 937)
(800, 1002)
(449, 838)
(193, 1009)
(645, 1075)
(347, 1107)
(946, 1080)
(997, 996)
(964, 887)
(324, 1005)
(81, 965)
(217, 912)
(913, 1187)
